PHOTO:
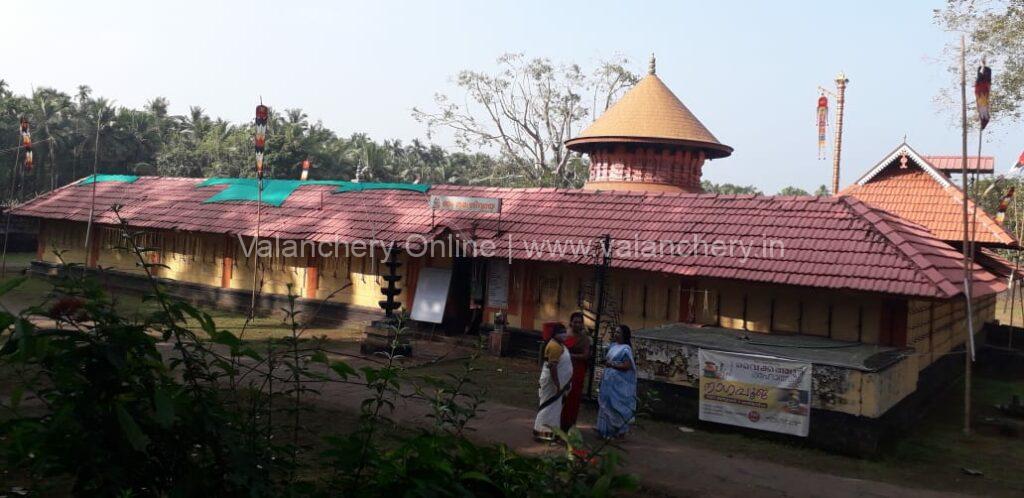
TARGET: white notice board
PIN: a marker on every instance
(431, 294)
(759, 392)
(497, 283)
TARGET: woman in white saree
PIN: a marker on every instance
(555, 380)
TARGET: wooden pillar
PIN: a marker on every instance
(837, 151)
(893, 327)
(688, 293)
(41, 243)
(527, 301)
(92, 255)
(227, 264)
(514, 282)
(312, 277)
(412, 275)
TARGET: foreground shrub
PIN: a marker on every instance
(165, 404)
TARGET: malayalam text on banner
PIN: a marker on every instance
(759, 392)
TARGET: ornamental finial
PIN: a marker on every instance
(651, 67)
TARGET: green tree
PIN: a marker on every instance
(527, 110)
(728, 188)
(792, 191)
(994, 31)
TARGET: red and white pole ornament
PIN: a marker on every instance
(26, 143)
(305, 170)
(822, 124)
(982, 88)
(262, 115)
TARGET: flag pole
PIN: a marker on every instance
(10, 206)
(260, 140)
(841, 82)
(966, 238)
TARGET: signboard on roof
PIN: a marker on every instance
(758, 392)
(472, 204)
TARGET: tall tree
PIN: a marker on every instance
(995, 30)
(527, 110)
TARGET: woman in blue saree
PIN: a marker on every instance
(618, 387)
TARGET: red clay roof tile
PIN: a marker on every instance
(839, 243)
(915, 195)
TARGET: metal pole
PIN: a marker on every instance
(255, 247)
(92, 198)
(841, 82)
(966, 241)
(600, 279)
(7, 215)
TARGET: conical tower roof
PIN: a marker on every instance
(650, 113)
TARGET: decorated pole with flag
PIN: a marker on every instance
(259, 143)
(822, 125)
(24, 145)
(837, 149)
(982, 90)
(305, 170)
(966, 245)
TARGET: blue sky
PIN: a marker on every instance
(749, 70)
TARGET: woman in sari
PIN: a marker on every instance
(579, 351)
(617, 398)
(555, 379)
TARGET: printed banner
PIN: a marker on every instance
(759, 392)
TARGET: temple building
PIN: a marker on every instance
(924, 190)
(648, 141)
(865, 292)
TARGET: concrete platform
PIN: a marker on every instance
(804, 348)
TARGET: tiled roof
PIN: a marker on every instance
(922, 195)
(997, 265)
(650, 112)
(952, 164)
(836, 243)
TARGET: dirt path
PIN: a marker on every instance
(671, 467)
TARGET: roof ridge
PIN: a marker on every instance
(903, 246)
(980, 215)
(903, 149)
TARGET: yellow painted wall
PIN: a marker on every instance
(934, 328)
(882, 390)
(65, 237)
(189, 256)
(639, 299)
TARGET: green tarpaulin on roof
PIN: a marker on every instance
(108, 178)
(275, 192)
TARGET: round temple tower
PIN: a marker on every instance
(647, 141)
